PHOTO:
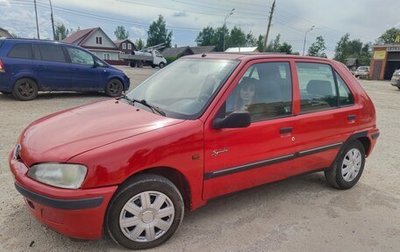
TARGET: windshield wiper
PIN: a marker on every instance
(152, 107)
(125, 98)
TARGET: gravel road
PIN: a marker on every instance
(299, 214)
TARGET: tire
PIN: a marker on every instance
(114, 88)
(149, 229)
(161, 65)
(25, 89)
(348, 167)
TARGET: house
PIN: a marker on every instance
(186, 50)
(96, 41)
(4, 33)
(125, 46)
(241, 49)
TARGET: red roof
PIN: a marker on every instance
(79, 37)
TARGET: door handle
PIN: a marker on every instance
(285, 130)
(351, 118)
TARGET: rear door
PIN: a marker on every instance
(85, 74)
(51, 67)
(327, 115)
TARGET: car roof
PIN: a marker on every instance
(42, 41)
(252, 56)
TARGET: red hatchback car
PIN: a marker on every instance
(205, 126)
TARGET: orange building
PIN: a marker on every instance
(385, 60)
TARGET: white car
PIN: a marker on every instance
(362, 72)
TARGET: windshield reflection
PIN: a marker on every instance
(184, 88)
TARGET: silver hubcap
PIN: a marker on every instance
(351, 165)
(146, 216)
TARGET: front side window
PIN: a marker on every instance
(21, 51)
(184, 88)
(52, 53)
(80, 57)
(265, 91)
(317, 87)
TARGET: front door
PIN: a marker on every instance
(240, 158)
(85, 74)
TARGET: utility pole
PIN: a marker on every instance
(269, 25)
(52, 20)
(37, 23)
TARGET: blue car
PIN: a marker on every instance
(28, 66)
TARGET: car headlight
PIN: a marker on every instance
(69, 176)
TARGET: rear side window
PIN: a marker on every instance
(317, 87)
(345, 96)
(21, 51)
(52, 53)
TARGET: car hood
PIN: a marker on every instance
(60, 136)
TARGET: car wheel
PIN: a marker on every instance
(161, 65)
(347, 169)
(114, 88)
(25, 89)
(145, 212)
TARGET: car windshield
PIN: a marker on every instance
(185, 88)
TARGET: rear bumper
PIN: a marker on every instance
(74, 213)
(5, 85)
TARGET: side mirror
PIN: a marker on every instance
(235, 120)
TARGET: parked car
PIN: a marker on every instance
(204, 126)
(362, 72)
(395, 81)
(28, 66)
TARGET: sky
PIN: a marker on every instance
(363, 19)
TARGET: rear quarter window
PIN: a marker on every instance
(21, 51)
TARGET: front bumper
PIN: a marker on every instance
(74, 213)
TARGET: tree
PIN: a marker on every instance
(158, 33)
(121, 33)
(317, 48)
(260, 43)
(250, 40)
(139, 44)
(347, 48)
(61, 32)
(285, 48)
(389, 36)
(206, 37)
(276, 46)
(237, 38)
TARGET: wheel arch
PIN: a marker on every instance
(175, 176)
